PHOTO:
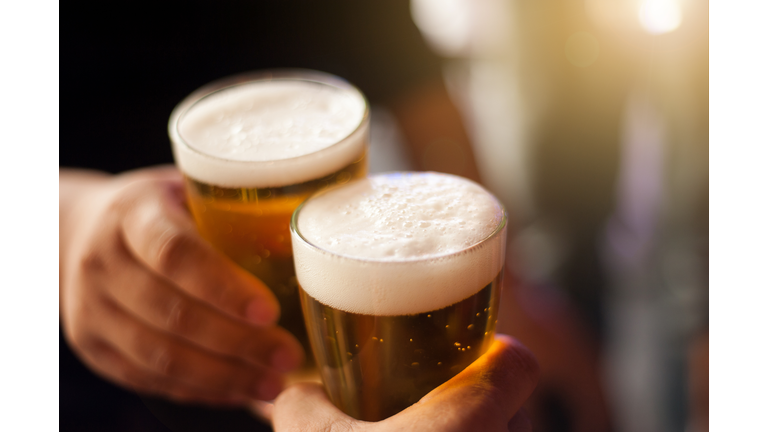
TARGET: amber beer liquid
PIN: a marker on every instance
(400, 277)
(252, 148)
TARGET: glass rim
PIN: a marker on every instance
(294, 228)
(287, 74)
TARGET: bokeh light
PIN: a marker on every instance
(445, 23)
(660, 16)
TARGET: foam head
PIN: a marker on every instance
(398, 244)
(269, 132)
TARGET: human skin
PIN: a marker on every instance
(96, 275)
(486, 396)
(146, 303)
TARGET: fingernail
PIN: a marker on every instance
(285, 360)
(269, 388)
(261, 313)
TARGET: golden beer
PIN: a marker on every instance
(376, 366)
(242, 203)
(385, 329)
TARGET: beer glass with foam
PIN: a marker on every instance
(252, 148)
(400, 278)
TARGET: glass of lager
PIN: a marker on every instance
(400, 278)
(252, 148)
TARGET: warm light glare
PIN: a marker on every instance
(445, 23)
(615, 15)
(660, 16)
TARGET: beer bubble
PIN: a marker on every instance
(457, 344)
(419, 253)
(469, 327)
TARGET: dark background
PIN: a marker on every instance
(125, 65)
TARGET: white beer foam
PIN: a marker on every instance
(398, 244)
(269, 133)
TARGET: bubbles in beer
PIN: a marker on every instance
(422, 233)
(401, 216)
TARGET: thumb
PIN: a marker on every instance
(484, 396)
(306, 407)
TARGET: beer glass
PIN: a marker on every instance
(400, 278)
(252, 148)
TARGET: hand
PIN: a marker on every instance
(149, 305)
(486, 396)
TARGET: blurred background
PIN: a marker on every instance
(589, 119)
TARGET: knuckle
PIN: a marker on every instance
(77, 328)
(162, 386)
(79, 338)
(171, 248)
(180, 319)
(137, 380)
(163, 361)
(92, 262)
(153, 386)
